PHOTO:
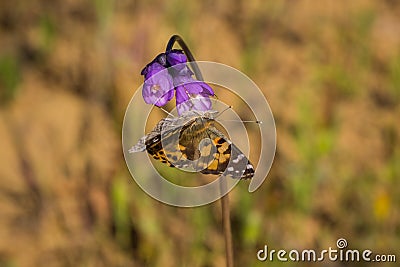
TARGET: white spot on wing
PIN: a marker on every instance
(240, 157)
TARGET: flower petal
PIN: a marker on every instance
(158, 88)
(201, 103)
(181, 95)
(176, 57)
(193, 86)
(181, 70)
(181, 108)
(207, 90)
(195, 103)
(151, 69)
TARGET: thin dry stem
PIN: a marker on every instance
(226, 223)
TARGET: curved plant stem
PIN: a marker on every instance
(192, 61)
(226, 223)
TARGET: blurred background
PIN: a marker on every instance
(330, 71)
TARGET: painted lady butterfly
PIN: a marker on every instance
(192, 142)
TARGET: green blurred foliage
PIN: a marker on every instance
(330, 71)
(9, 77)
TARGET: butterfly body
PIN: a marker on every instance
(191, 142)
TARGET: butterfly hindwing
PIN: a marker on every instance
(228, 159)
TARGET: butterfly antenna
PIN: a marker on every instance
(229, 107)
(219, 114)
(251, 121)
(169, 113)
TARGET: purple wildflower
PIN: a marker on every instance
(160, 83)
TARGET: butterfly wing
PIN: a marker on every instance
(228, 159)
(152, 142)
(161, 146)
